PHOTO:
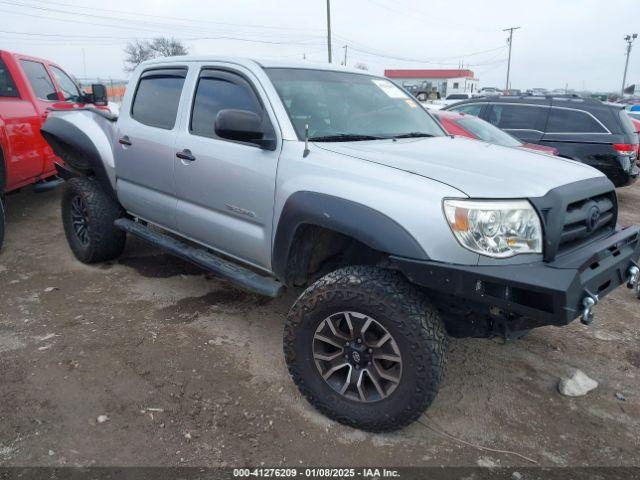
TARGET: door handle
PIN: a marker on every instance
(186, 155)
(125, 141)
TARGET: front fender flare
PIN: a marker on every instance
(358, 221)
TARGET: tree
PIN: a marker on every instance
(139, 51)
(168, 47)
(361, 66)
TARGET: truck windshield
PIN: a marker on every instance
(342, 106)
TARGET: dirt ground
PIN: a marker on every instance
(189, 370)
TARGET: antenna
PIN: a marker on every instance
(306, 140)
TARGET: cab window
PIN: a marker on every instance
(7, 86)
(157, 97)
(216, 91)
(68, 87)
(39, 80)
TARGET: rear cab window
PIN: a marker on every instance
(157, 97)
(39, 80)
(7, 85)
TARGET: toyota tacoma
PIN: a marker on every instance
(339, 184)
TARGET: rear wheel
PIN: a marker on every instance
(88, 213)
(366, 348)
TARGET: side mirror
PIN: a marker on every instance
(99, 95)
(242, 126)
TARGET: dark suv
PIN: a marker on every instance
(590, 131)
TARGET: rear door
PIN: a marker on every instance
(144, 155)
(525, 121)
(226, 190)
(29, 151)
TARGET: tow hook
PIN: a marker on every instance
(587, 311)
(634, 279)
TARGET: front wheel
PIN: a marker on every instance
(366, 348)
(88, 213)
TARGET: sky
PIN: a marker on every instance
(574, 43)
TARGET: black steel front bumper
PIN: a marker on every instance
(544, 293)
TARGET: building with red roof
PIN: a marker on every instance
(443, 81)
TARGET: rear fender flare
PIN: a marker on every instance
(84, 146)
(358, 221)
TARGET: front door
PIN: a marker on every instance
(225, 189)
(145, 151)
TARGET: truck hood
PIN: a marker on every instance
(476, 168)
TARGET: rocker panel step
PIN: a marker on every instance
(230, 271)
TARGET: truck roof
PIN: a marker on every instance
(252, 62)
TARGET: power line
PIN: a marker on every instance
(220, 37)
(146, 15)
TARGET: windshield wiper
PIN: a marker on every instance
(412, 135)
(345, 137)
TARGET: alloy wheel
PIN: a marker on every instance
(80, 220)
(357, 357)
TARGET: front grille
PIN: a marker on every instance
(569, 218)
(586, 219)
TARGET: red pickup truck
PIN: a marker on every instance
(28, 88)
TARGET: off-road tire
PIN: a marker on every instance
(2, 221)
(404, 311)
(104, 241)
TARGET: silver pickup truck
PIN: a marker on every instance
(338, 182)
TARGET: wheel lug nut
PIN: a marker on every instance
(346, 356)
(346, 344)
(359, 340)
(370, 350)
(357, 367)
(368, 363)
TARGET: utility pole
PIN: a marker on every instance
(510, 41)
(345, 54)
(629, 39)
(329, 29)
(84, 65)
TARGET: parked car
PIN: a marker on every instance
(634, 114)
(539, 92)
(490, 91)
(456, 123)
(456, 97)
(275, 174)
(29, 86)
(586, 130)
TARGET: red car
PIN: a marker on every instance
(473, 127)
(28, 88)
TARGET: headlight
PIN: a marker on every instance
(497, 228)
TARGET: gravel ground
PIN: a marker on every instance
(150, 361)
